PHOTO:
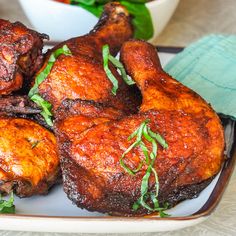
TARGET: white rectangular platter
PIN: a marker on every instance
(55, 213)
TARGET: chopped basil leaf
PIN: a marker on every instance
(33, 93)
(163, 214)
(108, 57)
(112, 78)
(7, 206)
(120, 66)
(158, 138)
(150, 156)
(46, 108)
(35, 144)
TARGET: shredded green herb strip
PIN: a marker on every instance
(112, 78)
(144, 132)
(35, 144)
(108, 57)
(141, 18)
(7, 206)
(33, 93)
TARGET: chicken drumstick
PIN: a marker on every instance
(81, 76)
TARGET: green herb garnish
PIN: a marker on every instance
(7, 206)
(33, 93)
(112, 78)
(108, 57)
(121, 68)
(141, 18)
(144, 132)
(34, 144)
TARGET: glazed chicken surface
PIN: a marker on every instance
(29, 163)
(92, 138)
(92, 125)
(20, 55)
(82, 76)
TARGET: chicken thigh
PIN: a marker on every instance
(91, 148)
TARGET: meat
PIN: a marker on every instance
(81, 76)
(92, 145)
(20, 106)
(20, 55)
(29, 163)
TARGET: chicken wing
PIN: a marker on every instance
(20, 55)
(81, 76)
(90, 154)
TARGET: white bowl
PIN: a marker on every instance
(62, 21)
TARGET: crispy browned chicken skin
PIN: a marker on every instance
(81, 76)
(20, 55)
(90, 149)
(29, 163)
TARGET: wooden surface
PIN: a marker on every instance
(192, 20)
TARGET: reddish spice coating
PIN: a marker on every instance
(29, 163)
(91, 148)
(20, 55)
(81, 76)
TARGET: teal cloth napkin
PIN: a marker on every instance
(208, 66)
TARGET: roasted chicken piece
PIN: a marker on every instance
(91, 148)
(29, 163)
(20, 106)
(20, 55)
(81, 76)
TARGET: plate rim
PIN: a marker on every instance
(206, 210)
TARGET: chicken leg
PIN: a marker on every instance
(82, 76)
(90, 155)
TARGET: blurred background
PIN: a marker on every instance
(191, 20)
